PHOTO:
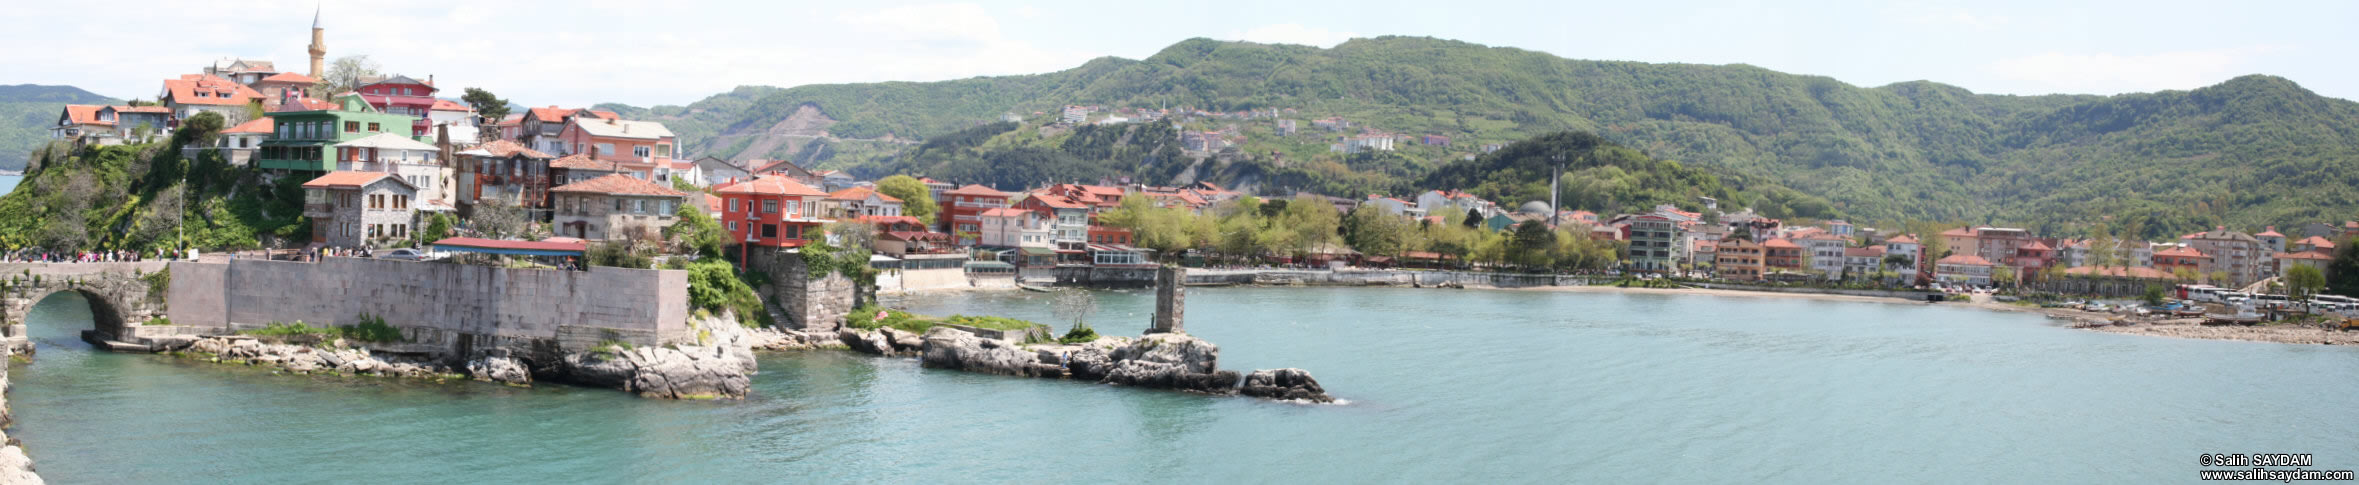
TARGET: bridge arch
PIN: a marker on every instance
(122, 296)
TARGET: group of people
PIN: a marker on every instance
(337, 252)
(123, 256)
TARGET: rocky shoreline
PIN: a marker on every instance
(2193, 329)
(15, 467)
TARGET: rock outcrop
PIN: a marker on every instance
(304, 359)
(15, 467)
(866, 341)
(498, 366)
(950, 348)
(688, 372)
(1171, 361)
(1287, 384)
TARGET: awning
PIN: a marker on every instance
(1038, 251)
(989, 265)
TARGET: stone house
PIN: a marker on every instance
(615, 207)
(504, 172)
(359, 209)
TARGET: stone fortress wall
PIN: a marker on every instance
(441, 307)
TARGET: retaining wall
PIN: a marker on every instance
(437, 303)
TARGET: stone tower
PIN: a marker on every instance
(1171, 300)
(319, 44)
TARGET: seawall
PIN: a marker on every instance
(15, 467)
(439, 307)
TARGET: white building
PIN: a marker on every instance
(415, 162)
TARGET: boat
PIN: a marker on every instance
(1035, 288)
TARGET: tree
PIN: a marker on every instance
(2002, 276)
(1076, 306)
(916, 200)
(490, 107)
(2302, 281)
(346, 74)
(696, 232)
(438, 227)
(1474, 219)
(2343, 272)
(498, 220)
(253, 111)
(1531, 244)
(199, 130)
(1373, 232)
(2154, 295)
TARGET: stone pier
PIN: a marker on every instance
(1171, 300)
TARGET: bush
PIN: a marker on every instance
(158, 321)
(370, 329)
(1079, 334)
(715, 286)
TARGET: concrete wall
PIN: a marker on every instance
(816, 305)
(645, 307)
(1207, 277)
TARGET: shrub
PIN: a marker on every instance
(372, 328)
(715, 286)
(1079, 334)
(158, 321)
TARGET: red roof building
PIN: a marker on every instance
(2170, 260)
(771, 211)
(962, 210)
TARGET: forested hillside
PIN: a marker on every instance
(2250, 151)
(28, 111)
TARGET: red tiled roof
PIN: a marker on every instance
(861, 193)
(1961, 232)
(264, 125)
(307, 104)
(582, 161)
(888, 220)
(618, 184)
(917, 236)
(2180, 251)
(550, 114)
(288, 77)
(975, 190)
(2272, 232)
(2311, 255)
(342, 179)
(1054, 201)
(505, 148)
(2316, 242)
(218, 91)
(2037, 246)
(1005, 212)
(1964, 259)
(143, 109)
(85, 114)
(1780, 243)
(2118, 272)
(772, 185)
(1901, 239)
(448, 105)
(1863, 252)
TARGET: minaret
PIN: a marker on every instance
(319, 45)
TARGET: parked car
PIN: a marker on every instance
(404, 254)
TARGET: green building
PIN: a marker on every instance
(305, 132)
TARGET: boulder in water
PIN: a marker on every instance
(1288, 384)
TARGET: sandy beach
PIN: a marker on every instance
(2174, 328)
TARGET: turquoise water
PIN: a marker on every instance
(8, 182)
(1444, 386)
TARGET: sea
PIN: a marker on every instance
(1437, 386)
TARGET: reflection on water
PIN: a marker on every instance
(1446, 386)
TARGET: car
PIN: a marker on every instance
(404, 254)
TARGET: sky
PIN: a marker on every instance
(577, 53)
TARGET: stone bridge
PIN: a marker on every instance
(125, 299)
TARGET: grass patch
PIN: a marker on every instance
(157, 322)
(864, 318)
(370, 329)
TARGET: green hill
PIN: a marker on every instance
(2250, 151)
(27, 111)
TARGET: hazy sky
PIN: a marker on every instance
(678, 51)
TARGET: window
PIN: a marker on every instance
(794, 206)
(769, 206)
(665, 208)
(401, 202)
(639, 206)
(618, 205)
(732, 226)
(639, 151)
(794, 232)
(734, 205)
(351, 126)
(373, 127)
(769, 231)
(606, 149)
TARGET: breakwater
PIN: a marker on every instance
(15, 467)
